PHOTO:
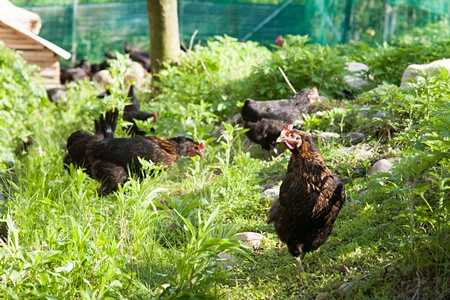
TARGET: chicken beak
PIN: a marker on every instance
(201, 149)
(280, 139)
(192, 154)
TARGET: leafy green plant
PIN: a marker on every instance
(227, 140)
(326, 120)
(305, 65)
(22, 100)
(208, 74)
(388, 62)
(196, 274)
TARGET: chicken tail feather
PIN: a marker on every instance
(107, 124)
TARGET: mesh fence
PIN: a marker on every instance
(90, 27)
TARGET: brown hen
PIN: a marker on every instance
(310, 199)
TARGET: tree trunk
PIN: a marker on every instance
(164, 33)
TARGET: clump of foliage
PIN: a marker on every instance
(389, 60)
(21, 103)
(414, 196)
(210, 74)
(305, 65)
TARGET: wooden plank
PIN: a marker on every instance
(51, 63)
(48, 81)
(8, 35)
(4, 29)
(46, 72)
(50, 69)
(22, 45)
(40, 53)
(43, 54)
(42, 63)
(8, 30)
(15, 40)
(19, 41)
(13, 34)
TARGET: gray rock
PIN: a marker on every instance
(272, 194)
(361, 151)
(230, 259)
(103, 78)
(367, 113)
(353, 138)
(137, 73)
(359, 70)
(325, 136)
(252, 238)
(345, 287)
(414, 71)
(382, 165)
(322, 296)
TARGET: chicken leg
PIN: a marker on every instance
(299, 257)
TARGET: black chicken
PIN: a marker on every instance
(4, 232)
(287, 110)
(310, 199)
(55, 94)
(77, 142)
(104, 94)
(138, 56)
(111, 158)
(80, 72)
(265, 119)
(133, 112)
(265, 133)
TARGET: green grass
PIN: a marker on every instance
(391, 239)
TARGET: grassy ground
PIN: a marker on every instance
(390, 239)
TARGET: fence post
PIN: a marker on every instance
(347, 34)
(387, 17)
(74, 30)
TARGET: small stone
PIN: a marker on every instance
(162, 288)
(361, 151)
(353, 138)
(322, 296)
(356, 80)
(345, 287)
(230, 259)
(324, 136)
(368, 113)
(272, 194)
(252, 238)
(380, 166)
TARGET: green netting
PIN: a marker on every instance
(90, 27)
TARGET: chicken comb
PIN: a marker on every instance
(288, 127)
(201, 146)
(313, 95)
